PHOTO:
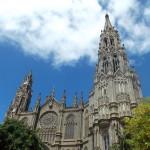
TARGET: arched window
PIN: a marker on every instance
(105, 42)
(112, 41)
(115, 62)
(105, 64)
(70, 127)
(48, 126)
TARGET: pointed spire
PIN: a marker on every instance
(81, 100)
(107, 23)
(23, 96)
(30, 74)
(75, 100)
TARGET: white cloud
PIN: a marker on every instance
(67, 30)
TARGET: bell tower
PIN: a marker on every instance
(111, 54)
(22, 99)
(114, 92)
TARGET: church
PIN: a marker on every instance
(94, 125)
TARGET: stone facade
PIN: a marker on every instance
(94, 125)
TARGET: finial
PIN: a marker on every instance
(64, 95)
(39, 97)
(52, 93)
(106, 16)
(30, 73)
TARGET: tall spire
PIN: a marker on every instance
(23, 96)
(111, 55)
(107, 23)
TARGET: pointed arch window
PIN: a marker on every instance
(105, 64)
(105, 42)
(70, 127)
(112, 41)
(115, 62)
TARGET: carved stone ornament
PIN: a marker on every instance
(123, 97)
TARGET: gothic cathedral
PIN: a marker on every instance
(85, 126)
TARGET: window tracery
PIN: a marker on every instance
(70, 127)
(115, 62)
(49, 120)
(48, 124)
(105, 42)
(105, 64)
(112, 41)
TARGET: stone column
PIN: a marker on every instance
(91, 140)
(98, 138)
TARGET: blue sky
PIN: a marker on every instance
(59, 43)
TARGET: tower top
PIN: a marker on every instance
(107, 23)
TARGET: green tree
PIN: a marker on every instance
(137, 128)
(15, 135)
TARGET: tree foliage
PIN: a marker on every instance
(137, 128)
(15, 135)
